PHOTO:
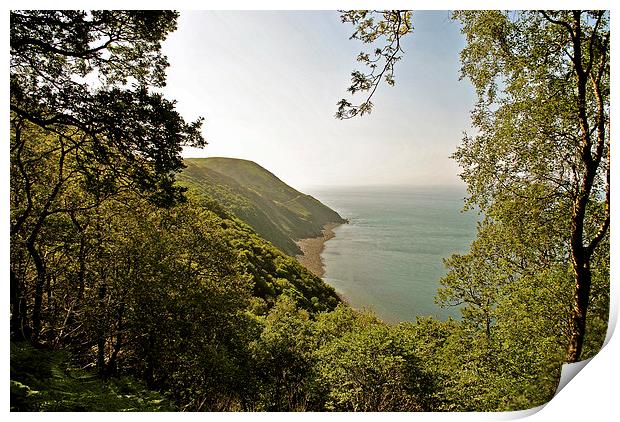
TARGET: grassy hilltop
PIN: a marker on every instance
(273, 209)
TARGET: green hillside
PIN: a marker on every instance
(273, 209)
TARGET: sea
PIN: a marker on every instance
(389, 257)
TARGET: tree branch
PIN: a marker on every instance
(558, 22)
(591, 46)
(605, 226)
(20, 43)
(370, 82)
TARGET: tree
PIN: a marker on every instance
(81, 103)
(363, 364)
(514, 289)
(87, 77)
(542, 80)
(542, 116)
(476, 279)
(283, 358)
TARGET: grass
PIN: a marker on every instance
(45, 380)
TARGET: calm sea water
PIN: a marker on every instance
(389, 257)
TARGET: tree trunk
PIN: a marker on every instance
(38, 291)
(101, 338)
(149, 370)
(111, 367)
(580, 252)
(580, 261)
(583, 282)
(18, 309)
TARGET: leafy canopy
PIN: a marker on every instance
(87, 77)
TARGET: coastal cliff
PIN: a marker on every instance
(276, 211)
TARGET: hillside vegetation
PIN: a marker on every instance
(174, 297)
(273, 209)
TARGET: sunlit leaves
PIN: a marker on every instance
(529, 169)
(387, 27)
(87, 76)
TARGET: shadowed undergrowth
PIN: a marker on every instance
(44, 380)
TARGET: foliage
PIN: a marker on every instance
(538, 167)
(369, 365)
(135, 134)
(388, 27)
(342, 360)
(283, 358)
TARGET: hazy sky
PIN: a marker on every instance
(267, 84)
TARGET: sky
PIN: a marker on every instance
(267, 84)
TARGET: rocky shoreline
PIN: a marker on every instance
(312, 249)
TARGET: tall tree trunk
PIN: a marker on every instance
(81, 276)
(101, 337)
(18, 309)
(112, 366)
(580, 261)
(581, 253)
(38, 291)
(581, 298)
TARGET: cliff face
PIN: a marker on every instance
(273, 209)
